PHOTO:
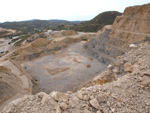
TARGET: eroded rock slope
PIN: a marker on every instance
(132, 27)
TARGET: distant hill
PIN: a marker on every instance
(6, 32)
(37, 25)
(98, 22)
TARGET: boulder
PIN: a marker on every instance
(86, 98)
(59, 96)
(95, 103)
(115, 69)
(147, 73)
(101, 99)
(87, 111)
(132, 46)
(79, 95)
(58, 110)
(145, 80)
(63, 105)
(128, 67)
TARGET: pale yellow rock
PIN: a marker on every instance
(87, 111)
(128, 67)
(147, 73)
(145, 80)
(63, 105)
(95, 103)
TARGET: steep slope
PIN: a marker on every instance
(98, 22)
(133, 26)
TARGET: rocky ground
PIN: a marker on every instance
(65, 70)
(129, 92)
(66, 54)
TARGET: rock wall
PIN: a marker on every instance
(133, 26)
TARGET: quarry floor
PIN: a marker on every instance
(64, 70)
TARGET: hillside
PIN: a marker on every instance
(7, 32)
(98, 22)
(32, 26)
(132, 27)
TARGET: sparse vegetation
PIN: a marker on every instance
(22, 38)
(98, 22)
(36, 26)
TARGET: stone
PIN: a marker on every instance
(59, 96)
(108, 93)
(41, 95)
(128, 67)
(58, 110)
(95, 103)
(87, 111)
(109, 66)
(133, 111)
(69, 92)
(73, 101)
(101, 99)
(45, 99)
(135, 67)
(147, 73)
(104, 111)
(63, 105)
(49, 100)
(54, 95)
(145, 81)
(79, 95)
(113, 110)
(108, 103)
(91, 97)
(86, 98)
(98, 111)
(131, 46)
(115, 70)
(17, 101)
(84, 105)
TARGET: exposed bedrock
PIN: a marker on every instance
(132, 27)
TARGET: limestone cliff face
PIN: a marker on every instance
(133, 26)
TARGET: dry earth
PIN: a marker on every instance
(129, 93)
(41, 64)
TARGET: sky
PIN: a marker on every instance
(72, 10)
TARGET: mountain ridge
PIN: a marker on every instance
(99, 21)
